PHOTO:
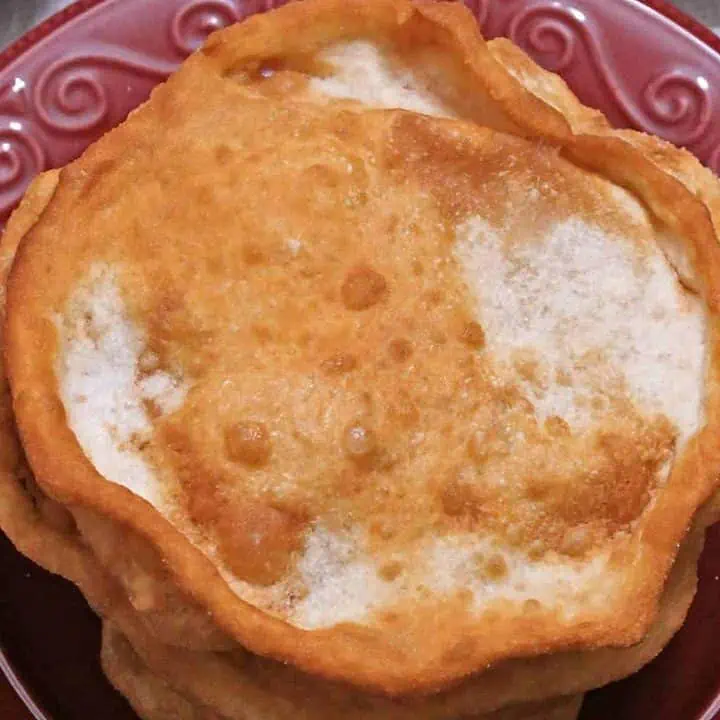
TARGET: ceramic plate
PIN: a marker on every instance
(64, 84)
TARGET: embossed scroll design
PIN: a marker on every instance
(71, 95)
(21, 158)
(197, 19)
(673, 104)
(193, 22)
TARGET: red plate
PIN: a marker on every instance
(67, 82)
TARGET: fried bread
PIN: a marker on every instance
(452, 402)
(88, 552)
(154, 699)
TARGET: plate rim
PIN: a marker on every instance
(27, 41)
(55, 21)
(685, 21)
(20, 689)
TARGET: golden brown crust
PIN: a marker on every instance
(168, 613)
(347, 652)
(58, 548)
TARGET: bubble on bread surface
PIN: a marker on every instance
(363, 72)
(339, 363)
(359, 441)
(248, 443)
(598, 309)
(401, 349)
(362, 288)
(102, 386)
(473, 335)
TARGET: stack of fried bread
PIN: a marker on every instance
(364, 373)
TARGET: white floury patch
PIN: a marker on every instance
(101, 387)
(364, 74)
(578, 290)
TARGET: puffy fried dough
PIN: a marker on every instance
(453, 402)
(693, 178)
(232, 683)
(154, 699)
(150, 696)
(235, 684)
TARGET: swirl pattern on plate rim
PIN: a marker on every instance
(673, 104)
(193, 22)
(21, 158)
(70, 95)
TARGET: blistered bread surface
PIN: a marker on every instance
(368, 361)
